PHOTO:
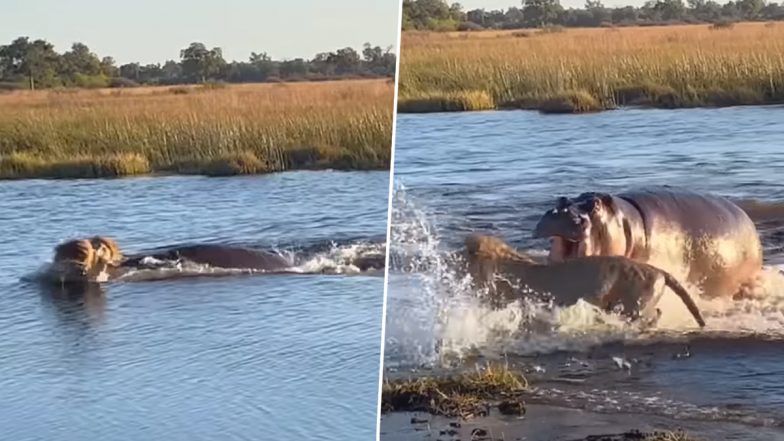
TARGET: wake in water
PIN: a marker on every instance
(435, 317)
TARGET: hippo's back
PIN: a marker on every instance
(694, 213)
(233, 257)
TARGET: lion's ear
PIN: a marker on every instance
(593, 205)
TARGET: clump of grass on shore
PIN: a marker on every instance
(447, 102)
(636, 435)
(670, 436)
(581, 70)
(464, 395)
(218, 131)
(23, 166)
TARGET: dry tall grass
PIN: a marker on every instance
(594, 69)
(207, 130)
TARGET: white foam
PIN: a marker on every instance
(339, 259)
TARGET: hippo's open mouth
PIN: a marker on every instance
(567, 226)
(562, 248)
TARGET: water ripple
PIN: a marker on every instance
(235, 358)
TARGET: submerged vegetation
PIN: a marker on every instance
(197, 129)
(579, 70)
(463, 395)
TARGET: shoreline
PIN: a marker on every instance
(549, 423)
(91, 169)
(518, 400)
(446, 105)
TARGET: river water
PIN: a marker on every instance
(497, 173)
(276, 356)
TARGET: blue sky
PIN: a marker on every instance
(151, 31)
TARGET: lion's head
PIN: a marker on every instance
(74, 258)
(106, 248)
(86, 260)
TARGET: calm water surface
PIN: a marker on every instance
(289, 356)
(497, 172)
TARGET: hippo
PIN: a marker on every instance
(219, 256)
(225, 256)
(708, 239)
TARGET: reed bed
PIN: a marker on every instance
(579, 70)
(212, 130)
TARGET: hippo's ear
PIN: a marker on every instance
(562, 203)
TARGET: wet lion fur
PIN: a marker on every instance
(605, 281)
(82, 260)
(108, 249)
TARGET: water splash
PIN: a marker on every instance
(435, 317)
(343, 259)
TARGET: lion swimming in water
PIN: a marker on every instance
(85, 260)
(604, 281)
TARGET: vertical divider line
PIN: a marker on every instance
(399, 25)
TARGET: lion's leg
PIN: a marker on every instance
(655, 289)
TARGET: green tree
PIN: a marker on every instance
(36, 62)
(750, 9)
(80, 60)
(430, 14)
(541, 12)
(378, 61)
(670, 9)
(130, 71)
(200, 64)
(109, 68)
(627, 14)
(264, 66)
(82, 68)
(296, 68)
(599, 13)
(171, 72)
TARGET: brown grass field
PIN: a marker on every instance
(239, 129)
(580, 70)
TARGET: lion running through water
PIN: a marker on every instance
(605, 281)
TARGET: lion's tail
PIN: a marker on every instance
(678, 289)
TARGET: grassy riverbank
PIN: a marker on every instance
(242, 129)
(582, 70)
(460, 405)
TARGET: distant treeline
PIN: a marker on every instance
(34, 64)
(438, 15)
